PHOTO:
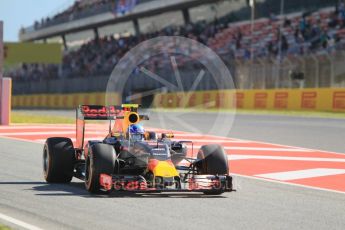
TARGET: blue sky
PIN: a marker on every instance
(17, 13)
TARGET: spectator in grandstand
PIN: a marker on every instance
(304, 27)
(284, 44)
(341, 15)
(273, 17)
(333, 20)
(238, 38)
(324, 39)
(271, 48)
(316, 29)
(298, 36)
(287, 22)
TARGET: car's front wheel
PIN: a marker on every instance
(213, 160)
(101, 160)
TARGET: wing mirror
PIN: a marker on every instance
(167, 135)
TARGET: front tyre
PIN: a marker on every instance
(213, 160)
(58, 160)
(101, 160)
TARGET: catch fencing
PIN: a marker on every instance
(325, 70)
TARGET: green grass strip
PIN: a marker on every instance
(18, 117)
(3, 227)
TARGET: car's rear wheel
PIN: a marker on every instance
(58, 160)
(101, 160)
(213, 160)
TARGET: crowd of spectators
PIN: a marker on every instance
(296, 35)
(320, 34)
(99, 56)
(35, 72)
(310, 32)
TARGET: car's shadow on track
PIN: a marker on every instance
(78, 189)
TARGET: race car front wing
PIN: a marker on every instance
(197, 183)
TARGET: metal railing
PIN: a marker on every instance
(84, 13)
(319, 71)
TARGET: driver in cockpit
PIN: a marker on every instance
(136, 132)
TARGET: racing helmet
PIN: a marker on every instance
(136, 132)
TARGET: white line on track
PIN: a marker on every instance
(286, 158)
(42, 140)
(18, 222)
(302, 174)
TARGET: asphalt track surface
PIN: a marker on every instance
(256, 205)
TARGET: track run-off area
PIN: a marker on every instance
(315, 169)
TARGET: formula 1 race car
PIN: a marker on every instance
(132, 159)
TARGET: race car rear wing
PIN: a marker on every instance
(100, 112)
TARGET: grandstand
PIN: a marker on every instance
(97, 33)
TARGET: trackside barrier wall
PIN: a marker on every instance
(283, 99)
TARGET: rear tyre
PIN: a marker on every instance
(101, 159)
(213, 161)
(58, 160)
